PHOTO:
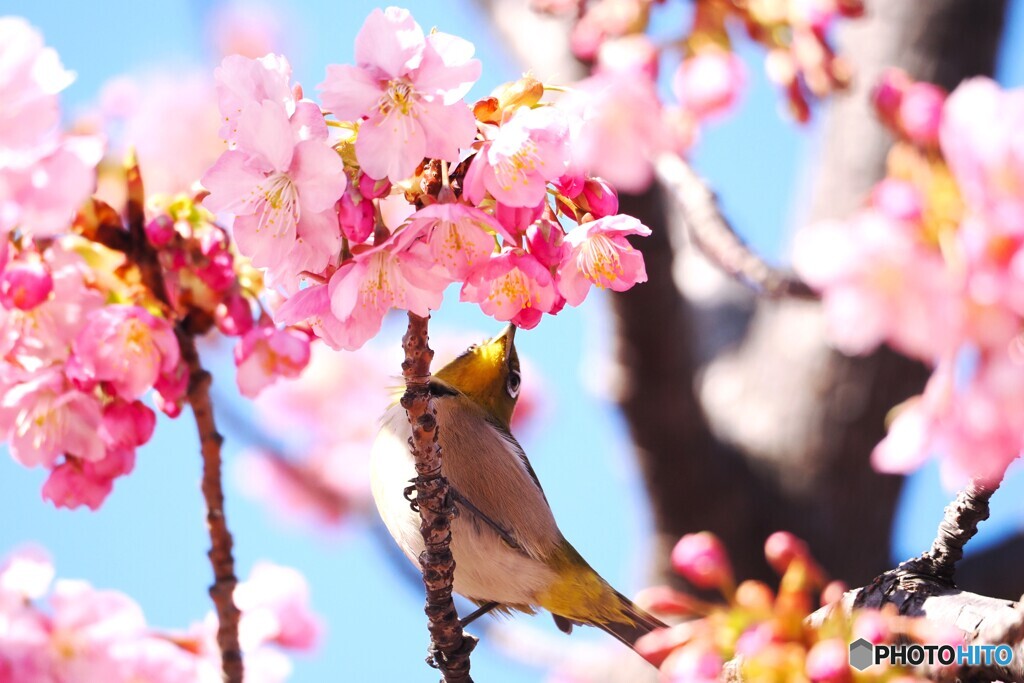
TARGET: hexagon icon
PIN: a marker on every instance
(861, 654)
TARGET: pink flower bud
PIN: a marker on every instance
(833, 592)
(599, 198)
(634, 53)
(233, 316)
(160, 231)
(373, 189)
(701, 559)
(219, 272)
(171, 389)
(920, 113)
(755, 639)
(570, 185)
(898, 200)
(355, 219)
(888, 94)
(828, 661)
(516, 219)
(665, 600)
(545, 240)
(25, 285)
(127, 425)
(709, 83)
(692, 663)
(782, 548)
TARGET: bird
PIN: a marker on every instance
(509, 552)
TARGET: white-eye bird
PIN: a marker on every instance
(509, 553)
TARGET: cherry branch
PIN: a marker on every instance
(924, 587)
(716, 238)
(141, 252)
(450, 647)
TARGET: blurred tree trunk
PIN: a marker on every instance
(744, 421)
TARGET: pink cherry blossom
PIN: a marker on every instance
(282, 188)
(407, 90)
(879, 284)
(274, 601)
(43, 417)
(242, 81)
(512, 286)
(829, 660)
(599, 198)
(617, 128)
(44, 175)
(266, 353)
(708, 83)
(981, 142)
(460, 237)
(398, 273)
(599, 254)
(126, 425)
(520, 157)
(126, 347)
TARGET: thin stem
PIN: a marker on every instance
(450, 647)
(221, 558)
(717, 240)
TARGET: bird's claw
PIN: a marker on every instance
(409, 493)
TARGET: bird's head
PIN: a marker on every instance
(488, 374)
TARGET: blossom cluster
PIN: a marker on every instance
(407, 189)
(933, 265)
(765, 631)
(71, 631)
(630, 124)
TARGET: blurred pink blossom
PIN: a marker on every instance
(267, 353)
(709, 83)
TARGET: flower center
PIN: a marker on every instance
(518, 166)
(280, 204)
(599, 261)
(400, 95)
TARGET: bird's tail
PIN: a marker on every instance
(634, 624)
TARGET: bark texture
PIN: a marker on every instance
(791, 422)
(450, 647)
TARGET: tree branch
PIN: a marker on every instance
(924, 587)
(716, 239)
(142, 253)
(450, 647)
(221, 558)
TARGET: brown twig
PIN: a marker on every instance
(221, 558)
(450, 647)
(142, 253)
(712, 234)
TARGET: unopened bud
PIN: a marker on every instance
(701, 559)
(25, 285)
(160, 230)
(599, 198)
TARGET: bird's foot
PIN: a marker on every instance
(438, 659)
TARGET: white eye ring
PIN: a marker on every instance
(513, 384)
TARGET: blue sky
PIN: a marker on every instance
(149, 539)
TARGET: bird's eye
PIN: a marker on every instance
(513, 383)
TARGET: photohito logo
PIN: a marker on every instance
(863, 654)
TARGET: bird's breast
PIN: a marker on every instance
(489, 471)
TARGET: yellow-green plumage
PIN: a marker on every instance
(506, 544)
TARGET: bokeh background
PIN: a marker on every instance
(149, 539)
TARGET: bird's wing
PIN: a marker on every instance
(518, 450)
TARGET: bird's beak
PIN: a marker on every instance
(508, 335)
